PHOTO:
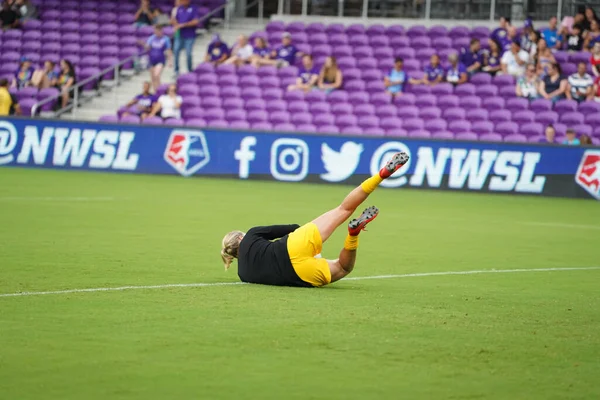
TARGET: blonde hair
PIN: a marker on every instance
(230, 247)
(330, 73)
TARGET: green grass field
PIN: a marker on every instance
(525, 335)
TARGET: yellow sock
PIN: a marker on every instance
(371, 184)
(351, 242)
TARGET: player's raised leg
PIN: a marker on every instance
(328, 222)
(345, 263)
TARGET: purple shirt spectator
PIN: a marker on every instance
(286, 53)
(23, 76)
(306, 74)
(158, 46)
(184, 15)
(145, 100)
(434, 72)
(468, 57)
(262, 52)
(453, 74)
(216, 50)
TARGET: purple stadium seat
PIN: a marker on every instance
(442, 89)
(328, 129)
(358, 40)
(152, 121)
(193, 112)
(380, 99)
(374, 131)
(531, 129)
(454, 113)
(457, 127)
(523, 117)
(218, 123)
(546, 117)
(364, 110)
(583, 129)
(436, 125)
(399, 42)
(517, 104)
(572, 118)
(405, 52)
(466, 89)
(255, 104)
(408, 111)
(407, 99)
(130, 119)
(174, 122)
(592, 119)
(460, 42)
(589, 107)
(352, 130)
(515, 138)
(470, 102)
(442, 135)
(387, 110)
(490, 137)
(426, 100)
(390, 123)
(431, 112)
(368, 121)
(275, 26)
(284, 127)
(245, 81)
(459, 31)
(238, 115)
(324, 119)
(413, 124)
(346, 120)
(380, 42)
(419, 90)
(447, 101)
(477, 114)
(540, 105)
(466, 136)
(109, 118)
(482, 127)
(419, 133)
(308, 128)
(504, 80)
(297, 106)
(498, 115)
(486, 91)
(416, 30)
(301, 118)
(396, 132)
(564, 106)
(314, 28)
(196, 122)
(376, 30)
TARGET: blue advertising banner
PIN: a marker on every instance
(569, 171)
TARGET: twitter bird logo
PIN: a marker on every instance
(340, 165)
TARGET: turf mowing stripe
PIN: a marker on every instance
(57, 199)
(358, 278)
(558, 225)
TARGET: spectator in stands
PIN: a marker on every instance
(145, 15)
(395, 81)
(580, 84)
(571, 139)
(491, 58)
(544, 58)
(553, 86)
(550, 135)
(534, 38)
(552, 36)
(528, 85)
(593, 36)
(45, 77)
(525, 38)
(308, 75)
(9, 17)
(217, 51)
(26, 10)
(471, 57)
(500, 34)
(330, 77)
(286, 53)
(159, 51)
(241, 52)
(185, 22)
(434, 72)
(585, 140)
(65, 81)
(23, 75)
(513, 62)
(169, 104)
(511, 37)
(456, 73)
(575, 38)
(590, 17)
(596, 89)
(142, 103)
(9, 104)
(262, 53)
(595, 59)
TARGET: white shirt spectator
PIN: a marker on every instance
(244, 52)
(168, 106)
(512, 67)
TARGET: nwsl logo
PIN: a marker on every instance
(588, 173)
(187, 151)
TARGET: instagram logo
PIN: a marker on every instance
(289, 160)
(8, 141)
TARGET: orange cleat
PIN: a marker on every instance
(357, 225)
(397, 161)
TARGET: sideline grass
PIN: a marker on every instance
(492, 336)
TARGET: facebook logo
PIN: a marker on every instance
(244, 155)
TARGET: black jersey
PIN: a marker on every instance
(262, 259)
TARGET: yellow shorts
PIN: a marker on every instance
(303, 245)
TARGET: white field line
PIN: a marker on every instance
(72, 198)
(358, 278)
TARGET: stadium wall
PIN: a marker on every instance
(543, 170)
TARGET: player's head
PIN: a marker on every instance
(230, 247)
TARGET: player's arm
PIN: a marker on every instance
(272, 231)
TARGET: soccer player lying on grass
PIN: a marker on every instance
(293, 259)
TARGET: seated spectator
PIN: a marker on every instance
(434, 72)
(550, 135)
(308, 75)
(9, 17)
(551, 35)
(553, 86)
(45, 77)
(593, 35)
(525, 37)
(145, 15)
(528, 85)
(286, 53)
(590, 17)
(261, 52)
(500, 34)
(395, 81)
(241, 52)
(571, 139)
(23, 75)
(471, 57)
(491, 58)
(142, 103)
(159, 51)
(595, 59)
(511, 37)
(26, 10)
(330, 77)
(580, 84)
(585, 140)
(9, 104)
(456, 73)
(217, 51)
(575, 38)
(534, 37)
(596, 89)
(544, 58)
(513, 62)
(66, 80)
(169, 104)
